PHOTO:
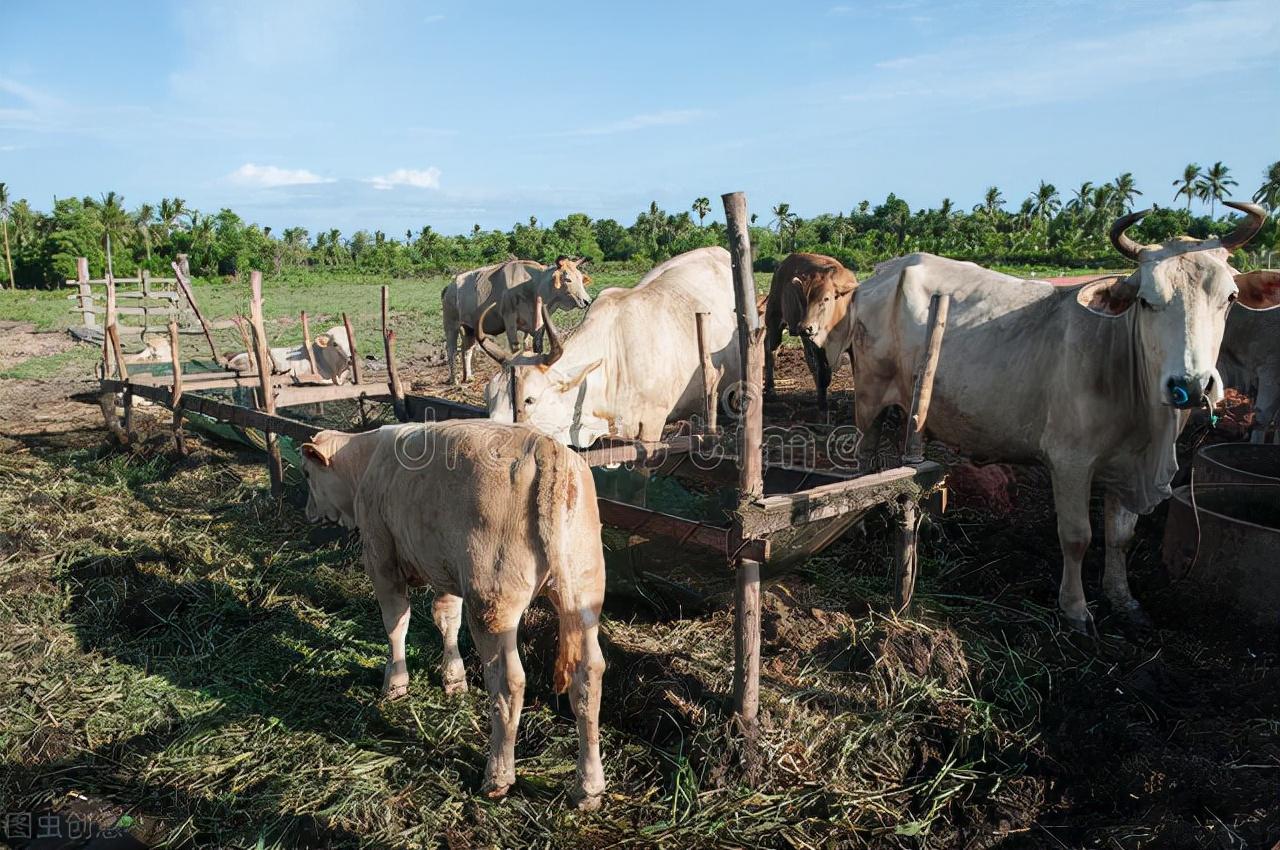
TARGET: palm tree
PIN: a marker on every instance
(1045, 202)
(5, 212)
(1125, 192)
(142, 224)
(173, 211)
(785, 219)
(1269, 193)
(944, 211)
(1213, 186)
(1187, 184)
(1083, 198)
(992, 200)
(701, 206)
(113, 220)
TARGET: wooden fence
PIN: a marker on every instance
(143, 304)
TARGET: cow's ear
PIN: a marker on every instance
(1259, 290)
(586, 280)
(845, 285)
(557, 278)
(1108, 297)
(322, 340)
(314, 453)
(569, 385)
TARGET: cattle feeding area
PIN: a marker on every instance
(186, 652)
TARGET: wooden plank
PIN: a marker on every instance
(356, 375)
(184, 286)
(432, 409)
(906, 553)
(262, 353)
(85, 292)
(648, 523)
(113, 334)
(710, 378)
(922, 392)
(306, 344)
(317, 393)
(750, 345)
(108, 323)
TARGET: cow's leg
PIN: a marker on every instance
(447, 612)
(451, 350)
(468, 347)
(504, 679)
(1267, 405)
(772, 339)
(393, 598)
(822, 376)
(1071, 501)
(869, 415)
(1120, 524)
(585, 687)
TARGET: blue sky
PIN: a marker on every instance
(394, 115)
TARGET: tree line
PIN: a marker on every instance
(1047, 229)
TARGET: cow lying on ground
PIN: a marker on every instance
(1095, 380)
(810, 295)
(633, 364)
(486, 514)
(1250, 357)
(331, 350)
(512, 289)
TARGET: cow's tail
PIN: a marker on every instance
(556, 495)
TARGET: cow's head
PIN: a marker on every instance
(332, 353)
(331, 494)
(557, 402)
(825, 294)
(1182, 290)
(568, 284)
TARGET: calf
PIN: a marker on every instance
(513, 288)
(331, 350)
(1250, 356)
(810, 295)
(493, 515)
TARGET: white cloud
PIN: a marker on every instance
(667, 118)
(270, 176)
(428, 178)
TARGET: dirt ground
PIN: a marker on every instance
(1168, 738)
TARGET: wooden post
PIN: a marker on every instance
(750, 346)
(356, 375)
(86, 292)
(126, 401)
(393, 374)
(922, 393)
(262, 354)
(180, 271)
(710, 378)
(746, 645)
(306, 343)
(113, 334)
(175, 395)
(746, 615)
(108, 325)
(907, 558)
(537, 325)
(107, 401)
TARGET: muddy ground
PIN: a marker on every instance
(1168, 738)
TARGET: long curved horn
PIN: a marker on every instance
(1255, 217)
(555, 348)
(489, 347)
(1123, 243)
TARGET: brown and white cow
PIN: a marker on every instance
(1095, 381)
(491, 516)
(810, 295)
(331, 350)
(1250, 357)
(512, 289)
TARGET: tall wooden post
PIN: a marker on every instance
(746, 615)
(175, 395)
(907, 558)
(108, 327)
(922, 392)
(356, 373)
(710, 379)
(306, 343)
(181, 271)
(262, 354)
(393, 374)
(86, 292)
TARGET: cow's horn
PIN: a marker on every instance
(1123, 243)
(554, 347)
(487, 344)
(1255, 217)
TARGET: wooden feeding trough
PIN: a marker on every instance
(760, 519)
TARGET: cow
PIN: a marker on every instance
(810, 295)
(1250, 357)
(1094, 380)
(331, 350)
(513, 288)
(633, 364)
(491, 516)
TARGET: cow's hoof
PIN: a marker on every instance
(1080, 625)
(584, 802)
(1134, 617)
(391, 693)
(496, 792)
(454, 688)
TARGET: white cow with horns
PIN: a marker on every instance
(1095, 380)
(633, 364)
